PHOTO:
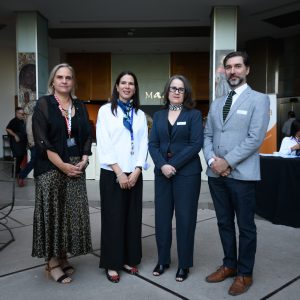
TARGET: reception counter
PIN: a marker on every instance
(278, 197)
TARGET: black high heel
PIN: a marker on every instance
(112, 278)
(182, 274)
(160, 269)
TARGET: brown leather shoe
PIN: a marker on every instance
(221, 274)
(240, 285)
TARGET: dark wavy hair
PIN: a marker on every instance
(243, 54)
(115, 94)
(187, 99)
(295, 127)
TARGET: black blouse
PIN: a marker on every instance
(49, 131)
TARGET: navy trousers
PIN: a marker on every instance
(179, 193)
(232, 198)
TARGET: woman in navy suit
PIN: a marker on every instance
(176, 139)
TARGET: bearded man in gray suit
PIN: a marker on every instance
(235, 129)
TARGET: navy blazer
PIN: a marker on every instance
(184, 143)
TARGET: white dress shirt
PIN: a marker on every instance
(286, 145)
(238, 92)
(114, 141)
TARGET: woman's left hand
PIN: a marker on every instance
(133, 177)
(83, 163)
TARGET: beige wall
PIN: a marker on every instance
(7, 88)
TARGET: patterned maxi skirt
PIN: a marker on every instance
(61, 221)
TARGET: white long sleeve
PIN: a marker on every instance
(114, 141)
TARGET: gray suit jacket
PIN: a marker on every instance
(238, 139)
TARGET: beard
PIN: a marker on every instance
(235, 82)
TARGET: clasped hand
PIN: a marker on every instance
(220, 166)
(168, 170)
(75, 170)
(127, 182)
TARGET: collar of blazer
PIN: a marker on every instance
(244, 96)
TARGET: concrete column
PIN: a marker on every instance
(224, 40)
(32, 56)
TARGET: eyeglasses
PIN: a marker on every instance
(174, 89)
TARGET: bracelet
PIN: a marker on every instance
(120, 174)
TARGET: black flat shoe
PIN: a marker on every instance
(182, 274)
(160, 269)
(112, 278)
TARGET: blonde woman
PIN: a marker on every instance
(63, 142)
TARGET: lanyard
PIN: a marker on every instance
(131, 132)
(68, 118)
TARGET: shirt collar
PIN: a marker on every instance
(241, 89)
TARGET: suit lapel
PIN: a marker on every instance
(164, 122)
(220, 109)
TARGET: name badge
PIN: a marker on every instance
(241, 112)
(71, 142)
(181, 123)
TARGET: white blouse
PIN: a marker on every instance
(286, 145)
(114, 140)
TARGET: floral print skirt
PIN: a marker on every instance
(61, 221)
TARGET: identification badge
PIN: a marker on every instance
(241, 112)
(146, 166)
(71, 142)
(181, 123)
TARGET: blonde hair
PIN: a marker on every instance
(50, 88)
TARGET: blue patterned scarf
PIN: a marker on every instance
(126, 108)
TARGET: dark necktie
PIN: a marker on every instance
(226, 107)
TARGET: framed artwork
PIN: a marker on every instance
(27, 81)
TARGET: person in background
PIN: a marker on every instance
(286, 128)
(291, 145)
(176, 139)
(16, 131)
(62, 136)
(28, 110)
(122, 144)
(236, 127)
